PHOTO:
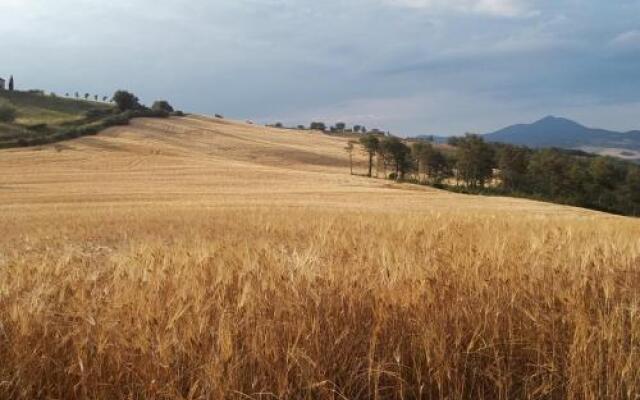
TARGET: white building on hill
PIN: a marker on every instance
(1, 84)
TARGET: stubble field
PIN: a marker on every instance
(204, 259)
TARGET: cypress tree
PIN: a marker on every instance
(11, 84)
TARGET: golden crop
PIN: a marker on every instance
(194, 259)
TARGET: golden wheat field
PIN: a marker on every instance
(193, 258)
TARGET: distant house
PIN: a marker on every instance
(2, 84)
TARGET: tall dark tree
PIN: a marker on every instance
(11, 85)
(162, 106)
(513, 163)
(399, 153)
(125, 100)
(371, 145)
(436, 166)
(318, 126)
(475, 160)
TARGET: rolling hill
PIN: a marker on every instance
(564, 133)
(197, 159)
(199, 258)
(40, 115)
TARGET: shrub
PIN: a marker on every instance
(38, 127)
(219, 116)
(97, 112)
(162, 105)
(320, 126)
(7, 113)
(126, 101)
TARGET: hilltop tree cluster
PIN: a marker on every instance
(469, 164)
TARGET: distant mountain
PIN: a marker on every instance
(564, 133)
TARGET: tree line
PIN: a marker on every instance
(471, 165)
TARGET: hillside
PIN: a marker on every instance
(198, 258)
(40, 115)
(564, 133)
(195, 160)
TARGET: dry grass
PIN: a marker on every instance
(197, 260)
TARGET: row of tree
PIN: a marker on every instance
(470, 164)
(338, 127)
(88, 96)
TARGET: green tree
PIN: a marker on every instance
(341, 126)
(399, 153)
(11, 86)
(548, 174)
(125, 100)
(318, 126)
(475, 160)
(371, 145)
(436, 166)
(513, 163)
(418, 152)
(162, 106)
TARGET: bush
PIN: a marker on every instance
(126, 101)
(219, 116)
(162, 105)
(178, 113)
(97, 112)
(116, 120)
(7, 113)
(38, 127)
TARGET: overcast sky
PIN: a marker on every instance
(409, 66)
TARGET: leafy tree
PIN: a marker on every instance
(86, 96)
(371, 145)
(105, 98)
(631, 190)
(436, 165)
(606, 172)
(349, 149)
(341, 126)
(475, 160)
(399, 153)
(11, 86)
(417, 152)
(125, 100)
(318, 126)
(548, 174)
(8, 114)
(356, 128)
(162, 106)
(513, 163)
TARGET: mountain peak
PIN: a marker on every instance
(552, 131)
(553, 119)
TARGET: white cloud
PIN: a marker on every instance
(626, 40)
(500, 8)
